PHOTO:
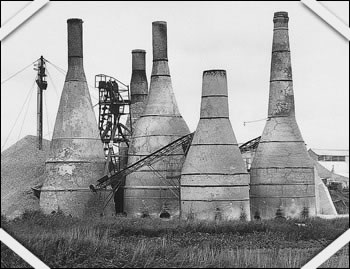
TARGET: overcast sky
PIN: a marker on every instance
(235, 36)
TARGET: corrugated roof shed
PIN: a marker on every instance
(340, 168)
(332, 152)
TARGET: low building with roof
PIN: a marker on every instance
(339, 161)
(248, 150)
(332, 165)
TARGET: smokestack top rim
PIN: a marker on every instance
(280, 14)
(75, 20)
(214, 71)
(138, 51)
(159, 22)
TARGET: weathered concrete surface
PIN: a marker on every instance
(138, 85)
(66, 189)
(282, 175)
(76, 157)
(160, 124)
(159, 42)
(214, 181)
(139, 94)
(324, 203)
(281, 155)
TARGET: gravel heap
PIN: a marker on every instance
(22, 167)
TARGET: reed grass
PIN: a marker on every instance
(63, 242)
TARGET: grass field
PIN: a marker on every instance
(64, 242)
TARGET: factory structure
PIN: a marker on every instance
(214, 181)
(281, 174)
(140, 158)
(76, 156)
(152, 188)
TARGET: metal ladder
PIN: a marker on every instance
(114, 107)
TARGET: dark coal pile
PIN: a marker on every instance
(22, 167)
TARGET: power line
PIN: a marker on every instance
(94, 97)
(92, 87)
(18, 72)
(30, 91)
(244, 123)
(64, 72)
(26, 113)
(57, 67)
(51, 80)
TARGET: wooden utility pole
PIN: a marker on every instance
(42, 85)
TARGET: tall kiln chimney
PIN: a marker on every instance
(139, 93)
(76, 157)
(151, 189)
(282, 175)
(138, 84)
(214, 181)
